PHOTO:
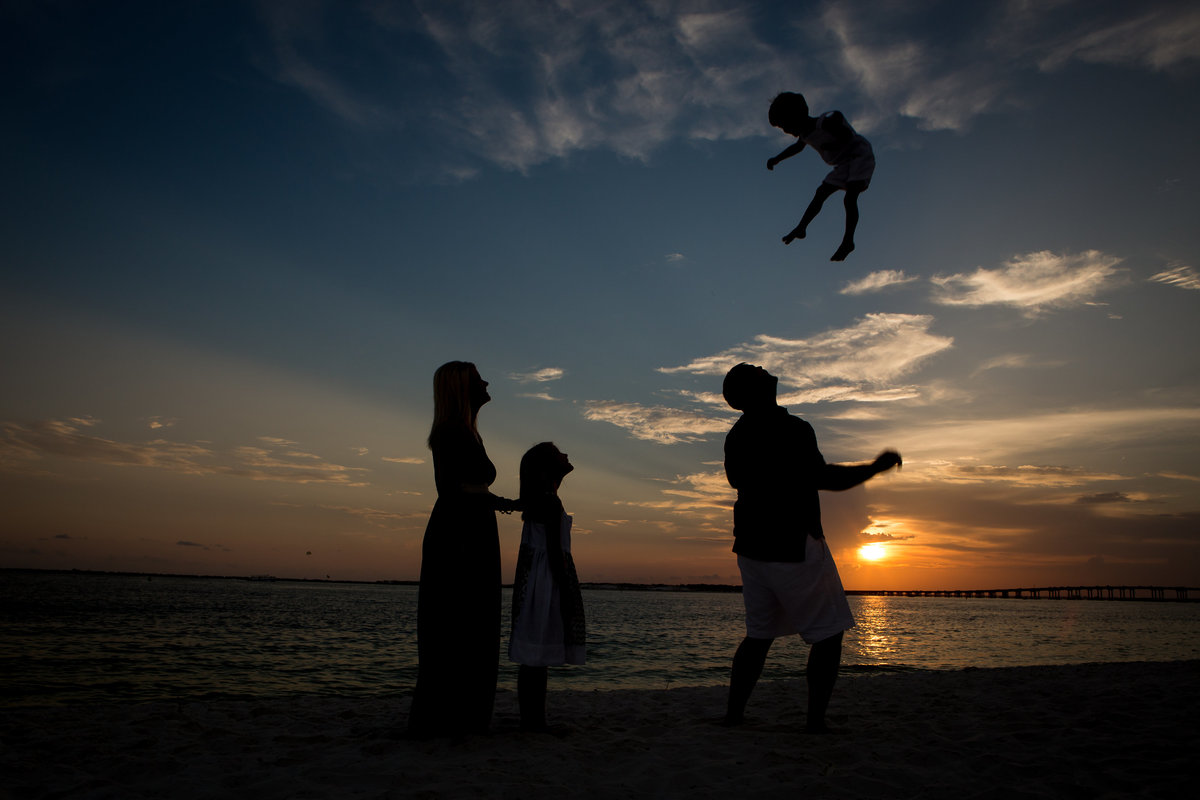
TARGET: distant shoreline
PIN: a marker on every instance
(1152, 593)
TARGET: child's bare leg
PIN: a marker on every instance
(847, 246)
(810, 213)
(531, 697)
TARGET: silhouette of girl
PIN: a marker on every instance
(547, 607)
(458, 607)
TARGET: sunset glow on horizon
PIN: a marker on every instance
(239, 239)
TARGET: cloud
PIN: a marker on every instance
(531, 80)
(390, 520)
(876, 281)
(274, 460)
(1026, 475)
(942, 71)
(884, 52)
(67, 438)
(1181, 276)
(520, 83)
(675, 258)
(540, 396)
(1179, 476)
(543, 375)
(402, 460)
(296, 31)
(1014, 361)
(656, 423)
(1077, 430)
(265, 464)
(1034, 282)
(1103, 498)
(840, 363)
(1159, 38)
(702, 491)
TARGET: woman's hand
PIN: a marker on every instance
(506, 506)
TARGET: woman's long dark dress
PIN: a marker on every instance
(458, 605)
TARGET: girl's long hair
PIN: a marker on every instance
(538, 467)
(452, 399)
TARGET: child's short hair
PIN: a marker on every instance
(787, 106)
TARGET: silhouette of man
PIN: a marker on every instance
(790, 584)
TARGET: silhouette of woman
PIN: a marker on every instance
(458, 606)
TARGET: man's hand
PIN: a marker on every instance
(886, 460)
(771, 162)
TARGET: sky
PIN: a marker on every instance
(238, 238)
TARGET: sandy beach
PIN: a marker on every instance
(1096, 730)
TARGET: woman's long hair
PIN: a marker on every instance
(452, 399)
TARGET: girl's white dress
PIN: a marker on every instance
(547, 626)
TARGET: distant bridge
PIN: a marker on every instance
(1174, 593)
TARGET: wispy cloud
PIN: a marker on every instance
(273, 459)
(1015, 361)
(657, 423)
(1034, 282)
(877, 281)
(1027, 475)
(540, 396)
(533, 80)
(858, 364)
(380, 518)
(1181, 276)
(402, 459)
(840, 363)
(544, 375)
(1157, 38)
(1076, 430)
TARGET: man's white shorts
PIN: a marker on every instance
(788, 597)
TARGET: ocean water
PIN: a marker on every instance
(80, 637)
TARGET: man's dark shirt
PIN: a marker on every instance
(772, 459)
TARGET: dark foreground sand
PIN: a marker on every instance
(1096, 730)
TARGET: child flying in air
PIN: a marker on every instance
(840, 146)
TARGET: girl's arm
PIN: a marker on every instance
(787, 153)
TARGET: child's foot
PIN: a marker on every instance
(846, 249)
(796, 233)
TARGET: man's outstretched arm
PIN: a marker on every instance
(839, 477)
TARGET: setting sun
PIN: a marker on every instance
(872, 552)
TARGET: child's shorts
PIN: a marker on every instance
(859, 165)
(784, 598)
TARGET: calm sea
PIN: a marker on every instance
(68, 638)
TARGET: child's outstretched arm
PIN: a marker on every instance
(787, 153)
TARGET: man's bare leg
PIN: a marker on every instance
(748, 664)
(824, 658)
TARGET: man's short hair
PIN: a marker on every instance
(737, 387)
